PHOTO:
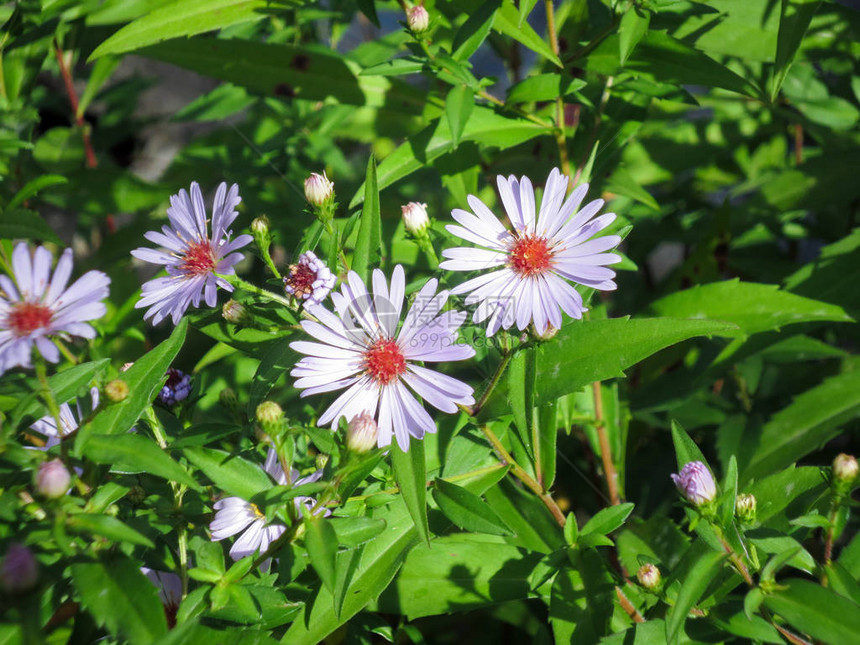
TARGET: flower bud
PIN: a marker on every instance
(53, 479)
(362, 433)
(417, 19)
(844, 469)
(415, 219)
(321, 460)
(19, 571)
(234, 312)
(649, 577)
(745, 507)
(696, 483)
(116, 390)
(547, 334)
(227, 397)
(318, 189)
(176, 388)
(136, 495)
(270, 416)
(260, 226)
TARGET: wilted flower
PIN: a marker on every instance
(34, 306)
(649, 576)
(415, 219)
(116, 390)
(169, 587)
(318, 189)
(53, 479)
(235, 515)
(745, 508)
(537, 258)
(417, 19)
(696, 483)
(363, 351)
(309, 279)
(845, 468)
(362, 433)
(19, 571)
(176, 388)
(47, 425)
(192, 258)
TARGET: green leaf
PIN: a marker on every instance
(458, 573)
(597, 350)
(228, 472)
(467, 510)
(458, 108)
(607, 520)
(693, 586)
(808, 422)
(32, 188)
(321, 543)
(133, 453)
(543, 87)
(486, 127)
(108, 527)
(352, 531)
(120, 598)
(753, 307)
(377, 563)
(102, 70)
(396, 67)
(545, 443)
(275, 362)
(821, 613)
(795, 16)
(526, 7)
(26, 224)
(410, 474)
(634, 25)
(144, 379)
(181, 18)
(475, 30)
(369, 239)
(730, 492)
(686, 449)
(508, 23)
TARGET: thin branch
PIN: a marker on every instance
(73, 101)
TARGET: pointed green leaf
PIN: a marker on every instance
(543, 87)
(321, 543)
(686, 449)
(467, 510)
(134, 453)
(607, 520)
(730, 492)
(795, 16)
(458, 109)
(692, 587)
(634, 25)
(410, 474)
(369, 231)
(108, 527)
(230, 473)
(817, 611)
(475, 30)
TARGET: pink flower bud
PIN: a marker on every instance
(845, 468)
(415, 219)
(362, 433)
(696, 483)
(318, 189)
(417, 19)
(648, 576)
(53, 479)
(19, 571)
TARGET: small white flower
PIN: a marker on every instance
(535, 259)
(309, 279)
(234, 515)
(192, 257)
(362, 350)
(318, 189)
(35, 306)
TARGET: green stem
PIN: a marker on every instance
(236, 281)
(48, 395)
(429, 252)
(500, 370)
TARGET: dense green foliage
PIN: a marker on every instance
(724, 135)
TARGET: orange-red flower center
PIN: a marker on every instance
(27, 317)
(198, 259)
(384, 361)
(301, 280)
(530, 256)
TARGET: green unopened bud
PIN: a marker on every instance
(745, 508)
(227, 397)
(260, 226)
(136, 495)
(417, 19)
(235, 312)
(415, 219)
(649, 577)
(116, 390)
(844, 472)
(53, 479)
(270, 416)
(318, 189)
(362, 434)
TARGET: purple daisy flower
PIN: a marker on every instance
(234, 515)
(176, 388)
(309, 279)
(192, 258)
(537, 258)
(361, 350)
(35, 306)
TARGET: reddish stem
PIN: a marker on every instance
(73, 101)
